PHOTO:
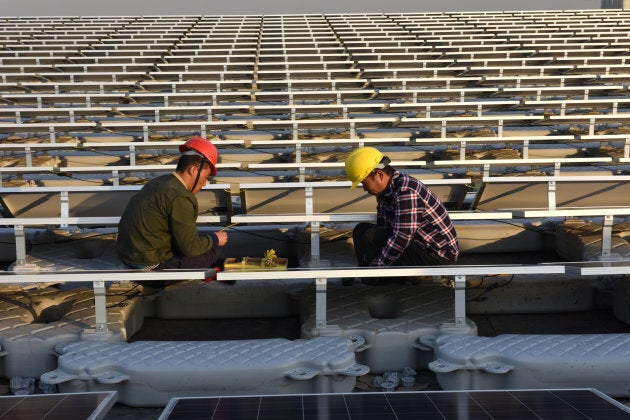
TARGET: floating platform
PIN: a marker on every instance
(150, 373)
(33, 322)
(391, 318)
(512, 361)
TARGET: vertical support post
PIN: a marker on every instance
(315, 243)
(20, 245)
(100, 310)
(65, 206)
(525, 149)
(315, 252)
(308, 199)
(320, 303)
(551, 195)
(116, 177)
(132, 155)
(462, 150)
(460, 300)
(298, 153)
(29, 156)
(308, 209)
(607, 236)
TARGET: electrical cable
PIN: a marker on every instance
(481, 297)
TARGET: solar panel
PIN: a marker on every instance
(84, 405)
(500, 404)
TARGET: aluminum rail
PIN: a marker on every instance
(601, 268)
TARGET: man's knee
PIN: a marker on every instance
(360, 229)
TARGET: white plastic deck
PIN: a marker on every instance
(61, 317)
(457, 272)
(512, 361)
(149, 373)
(391, 318)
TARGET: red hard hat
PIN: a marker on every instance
(204, 148)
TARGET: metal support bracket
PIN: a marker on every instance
(607, 236)
(320, 303)
(460, 300)
(20, 245)
(100, 308)
(551, 195)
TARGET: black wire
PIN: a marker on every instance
(64, 240)
(481, 297)
(136, 285)
(264, 236)
(123, 302)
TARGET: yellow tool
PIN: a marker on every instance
(269, 261)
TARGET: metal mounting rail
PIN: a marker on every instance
(599, 268)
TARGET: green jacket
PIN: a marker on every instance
(160, 222)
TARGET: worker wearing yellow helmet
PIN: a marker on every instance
(412, 227)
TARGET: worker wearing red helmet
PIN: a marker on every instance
(158, 229)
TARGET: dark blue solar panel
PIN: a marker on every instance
(515, 404)
(57, 406)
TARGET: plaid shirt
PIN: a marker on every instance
(411, 212)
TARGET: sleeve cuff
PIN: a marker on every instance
(215, 239)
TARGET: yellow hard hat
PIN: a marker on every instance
(361, 162)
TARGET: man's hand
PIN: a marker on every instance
(222, 237)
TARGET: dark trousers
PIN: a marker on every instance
(211, 259)
(370, 239)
